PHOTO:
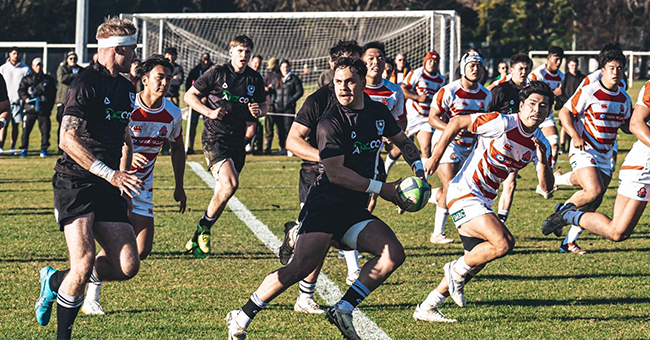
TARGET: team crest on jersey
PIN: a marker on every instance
(353, 135)
(642, 193)
(593, 161)
(622, 108)
(527, 157)
(225, 85)
(481, 105)
(452, 156)
(384, 101)
(163, 132)
(251, 89)
(380, 124)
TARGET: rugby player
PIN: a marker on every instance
(461, 97)
(235, 95)
(154, 120)
(349, 139)
(89, 194)
(507, 144)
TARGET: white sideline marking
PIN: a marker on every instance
(366, 328)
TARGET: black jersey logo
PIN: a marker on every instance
(380, 124)
(353, 135)
(251, 89)
(107, 101)
(225, 85)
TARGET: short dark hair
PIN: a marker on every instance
(285, 61)
(15, 48)
(353, 64)
(538, 87)
(344, 47)
(573, 59)
(171, 50)
(242, 40)
(557, 50)
(376, 45)
(258, 57)
(612, 55)
(156, 59)
(521, 58)
(610, 46)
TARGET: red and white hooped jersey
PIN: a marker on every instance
(454, 100)
(595, 76)
(504, 148)
(389, 94)
(552, 80)
(421, 82)
(636, 167)
(600, 112)
(150, 128)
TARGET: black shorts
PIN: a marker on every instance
(217, 149)
(308, 175)
(76, 196)
(333, 219)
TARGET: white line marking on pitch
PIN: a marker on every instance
(366, 328)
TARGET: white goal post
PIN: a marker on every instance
(304, 38)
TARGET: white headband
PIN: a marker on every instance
(118, 40)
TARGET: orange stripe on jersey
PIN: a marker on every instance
(599, 128)
(632, 167)
(533, 76)
(482, 119)
(496, 171)
(407, 81)
(574, 102)
(482, 166)
(441, 95)
(587, 81)
(458, 199)
(646, 94)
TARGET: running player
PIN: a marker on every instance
(154, 120)
(385, 92)
(634, 184)
(349, 139)
(419, 86)
(507, 145)
(89, 194)
(235, 94)
(602, 108)
(461, 97)
(301, 140)
(550, 74)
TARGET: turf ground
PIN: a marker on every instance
(535, 292)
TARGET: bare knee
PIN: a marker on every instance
(393, 256)
(131, 268)
(229, 187)
(504, 246)
(619, 236)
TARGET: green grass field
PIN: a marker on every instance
(535, 292)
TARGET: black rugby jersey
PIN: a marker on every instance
(232, 91)
(3, 89)
(357, 135)
(105, 103)
(505, 98)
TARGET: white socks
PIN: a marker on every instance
(93, 291)
(306, 289)
(573, 234)
(434, 300)
(352, 259)
(461, 267)
(564, 179)
(440, 220)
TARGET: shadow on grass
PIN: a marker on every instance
(18, 211)
(33, 259)
(572, 302)
(556, 277)
(215, 255)
(27, 190)
(25, 180)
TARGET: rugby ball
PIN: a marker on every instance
(414, 192)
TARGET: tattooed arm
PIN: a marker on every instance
(410, 153)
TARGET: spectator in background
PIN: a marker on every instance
(13, 72)
(570, 84)
(177, 79)
(256, 62)
(133, 77)
(37, 91)
(65, 74)
(305, 69)
(251, 127)
(389, 71)
(269, 79)
(5, 107)
(288, 90)
(502, 69)
(402, 67)
(195, 73)
(327, 75)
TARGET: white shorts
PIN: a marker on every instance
(635, 190)
(591, 157)
(549, 121)
(465, 207)
(416, 124)
(143, 203)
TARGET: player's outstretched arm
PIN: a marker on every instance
(639, 124)
(454, 126)
(544, 172)
(342, 176)
(567, 123)
(410, 153)
(178, 164)
(297, 144)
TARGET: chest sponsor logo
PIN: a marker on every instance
(224, 85)
(642, 193)
(107, 101)
(353, 135)
(163, 132)
(121, 116)
(527, 157)
(372, 146)
(457, 216)
(250, 89)
(233, 98)
(380, 124)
